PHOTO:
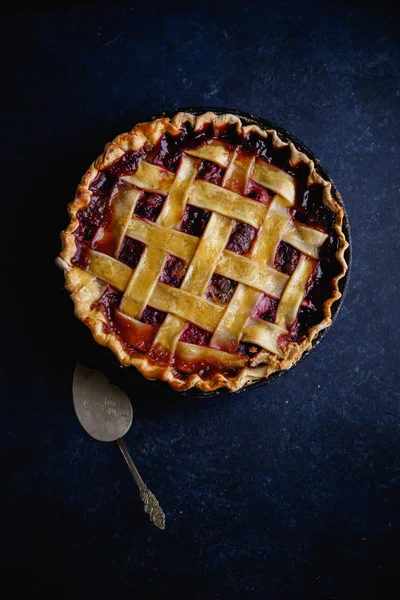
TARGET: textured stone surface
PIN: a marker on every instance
(288, 491)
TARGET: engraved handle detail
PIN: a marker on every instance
(151, 504)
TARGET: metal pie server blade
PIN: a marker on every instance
(105, 412)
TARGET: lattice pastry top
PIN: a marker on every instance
(204, 252)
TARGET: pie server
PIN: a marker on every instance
(105, 412)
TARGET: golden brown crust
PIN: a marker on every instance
(85, 289)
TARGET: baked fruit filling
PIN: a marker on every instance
(216, 237)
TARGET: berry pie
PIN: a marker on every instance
(204, 251)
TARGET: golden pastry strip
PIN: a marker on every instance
(238, 172)
(230, 204)
(230, 329)
(151, 178)
(252, 273)
(174, 242)
(174, 207)
(203, 313)
(110, 270)
(191, 352)
(142, 283)
(305, 239)
(214, 151)
(264, 334)
(205, 260)
(123, 210)
(294, 292)
(274, 179)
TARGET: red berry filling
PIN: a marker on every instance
(259, 193)
(220, 289)
(195, 220)
(126, 165)
(286, 258)
(241, 238)
(168, 153)
(195, 335)
(130, 252)
(264, 148)
(91, 216)
(149, 206)
(152, 316)
(248, 349)
(110, 298)
(311, 211)
(210, 172)
(130, 337)
(174, 271)
(80, 259)
(108, 302)
(266, 308)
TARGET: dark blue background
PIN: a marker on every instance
(289, 491)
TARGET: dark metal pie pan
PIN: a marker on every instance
(129, 378)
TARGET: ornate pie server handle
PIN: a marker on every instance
(150, 502)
